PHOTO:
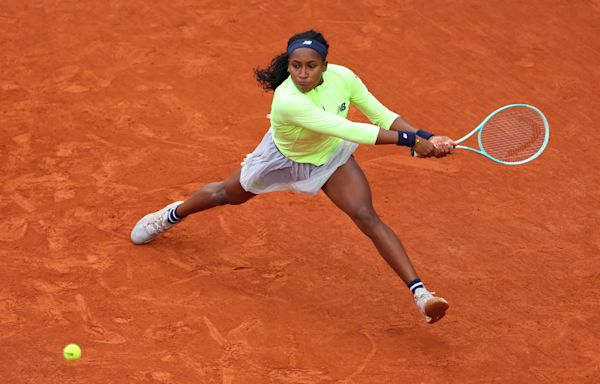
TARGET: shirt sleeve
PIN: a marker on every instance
(376, 112)
(299, 111)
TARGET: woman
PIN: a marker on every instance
(309, 148)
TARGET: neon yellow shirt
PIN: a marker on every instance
(307, 127)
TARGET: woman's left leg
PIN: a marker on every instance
(349, 189)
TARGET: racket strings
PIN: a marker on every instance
(514, 134)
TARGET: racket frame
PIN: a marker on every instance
(479, 128)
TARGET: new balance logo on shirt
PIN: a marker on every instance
(342, 107)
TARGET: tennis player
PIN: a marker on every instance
(309, 148)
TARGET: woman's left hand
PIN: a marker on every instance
(443, 144)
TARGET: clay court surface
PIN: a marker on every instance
(112, 109)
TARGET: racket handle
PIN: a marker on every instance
(415, 154)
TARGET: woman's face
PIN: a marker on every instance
(306, 67)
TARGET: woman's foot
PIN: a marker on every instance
(153, 224)
(432, 307)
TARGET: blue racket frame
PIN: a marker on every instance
(482, 151)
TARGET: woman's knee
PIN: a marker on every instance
(216, 193)
(219, 195)
(366, 218)
(228, 191)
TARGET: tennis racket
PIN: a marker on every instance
(512, 135)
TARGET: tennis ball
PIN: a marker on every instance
(72, 352)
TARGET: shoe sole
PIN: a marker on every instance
(436, 309)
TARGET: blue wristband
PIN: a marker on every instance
(424, 134)
(407, 139)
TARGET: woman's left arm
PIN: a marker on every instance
(379, 115)
(444, 145)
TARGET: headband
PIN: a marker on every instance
(315, 45)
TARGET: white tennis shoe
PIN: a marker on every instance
(152, 225)
(432, 307)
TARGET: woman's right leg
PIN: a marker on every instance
(229, 191)
(224, 192)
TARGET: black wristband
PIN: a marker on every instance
(407, 139)
(424, 134)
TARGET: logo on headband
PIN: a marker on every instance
(316, 45)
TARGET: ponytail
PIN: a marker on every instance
(271, 77)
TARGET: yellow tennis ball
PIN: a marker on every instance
(72, 352)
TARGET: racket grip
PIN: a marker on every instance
(415, 154)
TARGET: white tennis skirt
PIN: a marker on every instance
(268, 170)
